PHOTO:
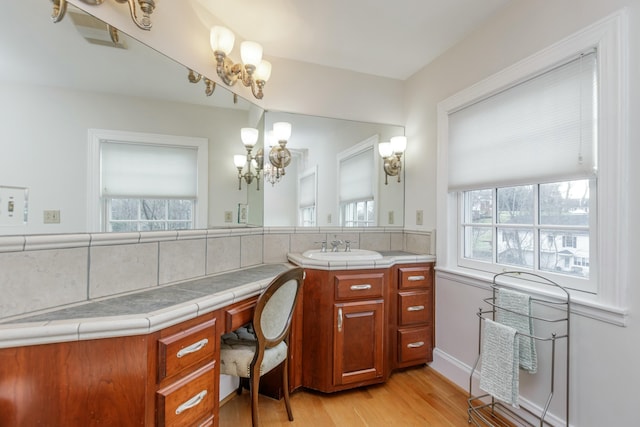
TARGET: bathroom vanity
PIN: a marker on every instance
(363, 318)
(151, 358)
(145, 359)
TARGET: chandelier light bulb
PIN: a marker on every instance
(221, 39)
(263, 71)
(385, 150)
(239, 160)
(282, 131)
(249, 136)
(251, 53)
(399, 144)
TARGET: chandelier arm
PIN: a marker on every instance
(59, 10)
(146, 6)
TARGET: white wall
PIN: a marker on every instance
(44, 142)
(604, 366)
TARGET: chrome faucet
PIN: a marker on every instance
(324, 246)
(335, 244)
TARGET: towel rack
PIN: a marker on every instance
(483, 410)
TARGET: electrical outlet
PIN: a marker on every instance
(228, 216)
(51, 216)
(419, 217)
(391, 217)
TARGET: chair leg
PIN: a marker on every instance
(285, 387)
(254, 390)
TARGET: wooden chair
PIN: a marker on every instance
(244, 356)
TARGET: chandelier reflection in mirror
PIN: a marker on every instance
(279, 155)
(391, 152)
(249, 138)
(253, 72)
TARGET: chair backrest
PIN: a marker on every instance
(274, 309)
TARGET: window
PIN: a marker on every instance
(359, 213)
(356, 184)
(141, 214)
(482, 167)
(502, 226)
(307, 189)
(144, 182)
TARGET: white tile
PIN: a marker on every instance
(375, 241)
(18, 336)
(56, 241)
(122, 268)
(223, 254)
(181, 260)
(12, 243)
(301, 242)
(251, 250)
(37, 280)
(275, 248)
(90, 329)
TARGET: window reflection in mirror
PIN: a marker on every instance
(319, 146)
(60, 80)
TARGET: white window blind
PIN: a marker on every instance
(307, 190)
(542, 128)
(146, 170)
(356, 176)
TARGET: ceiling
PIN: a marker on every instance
(388, 38)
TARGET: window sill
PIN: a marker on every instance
(582, 304)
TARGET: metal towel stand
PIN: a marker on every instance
(483, 413)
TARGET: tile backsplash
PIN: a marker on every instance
(39, 273)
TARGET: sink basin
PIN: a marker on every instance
(353, 255)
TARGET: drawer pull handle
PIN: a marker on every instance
(360, 287)
(415, 278)
(194, 401)
(339, 320)
(193, 348)
(415, 344)
(415, 308)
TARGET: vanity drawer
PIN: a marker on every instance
(190, 400)
(414, 307)
(239, 314)
(186, 349)
(415, 344)
(354, 286)
(415, 277)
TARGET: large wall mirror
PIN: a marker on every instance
(323, 186)
(59, 81)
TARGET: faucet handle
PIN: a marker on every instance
(348, 245)
(324, 245)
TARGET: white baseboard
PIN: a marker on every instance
(458, 372)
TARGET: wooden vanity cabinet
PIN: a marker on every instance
(188, 373)
(413, 315)
(344, 329)
(166, 378)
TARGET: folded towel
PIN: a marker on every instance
(519, 318)
(500, 374)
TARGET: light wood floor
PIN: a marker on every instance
(413, 397)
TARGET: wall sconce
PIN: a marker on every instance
(146, 6)
(391, 152)
(249, 138)
(271, 173)
(253, 72)
(279, 155)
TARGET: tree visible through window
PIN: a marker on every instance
(540, 227)
(134, 214)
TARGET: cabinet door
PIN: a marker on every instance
(358, 346)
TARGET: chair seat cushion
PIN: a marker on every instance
(237, 350)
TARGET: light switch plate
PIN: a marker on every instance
(419, 217)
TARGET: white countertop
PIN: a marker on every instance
(389, 258)
(141, 312)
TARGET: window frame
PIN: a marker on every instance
(109, 221)
(96, 205)
(609, 37)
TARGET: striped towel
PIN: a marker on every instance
(500, 374)
(520, 319)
